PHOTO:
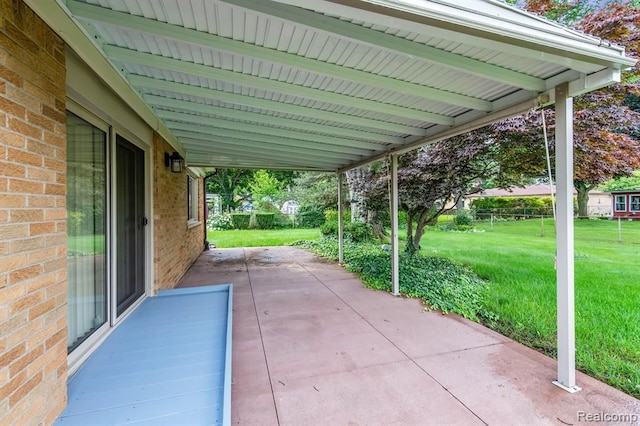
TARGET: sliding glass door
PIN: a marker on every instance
(130, 223)
(86, 228)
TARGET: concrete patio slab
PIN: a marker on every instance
(512, 381)
(387, 394)
(312, 346)
(253, 405)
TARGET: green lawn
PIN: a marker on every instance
(84, 245)
(519, 264)
(260, 238)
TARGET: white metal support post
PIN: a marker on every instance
(564, 241)
(395, 257)
(340, 224)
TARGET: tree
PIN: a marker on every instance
(362, 182)
(433, 179)
(266, 189)
(622, 184)
(567, 12)
(617, 23)
(604, 125)
(601, 151)
(285, 177)
(315, 189)
(231, 184)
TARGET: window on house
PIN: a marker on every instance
(192, 200)
(634, 203)
(621, 203)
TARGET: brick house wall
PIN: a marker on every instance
(33, 238)
(176, 246)
(33, 323)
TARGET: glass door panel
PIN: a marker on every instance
(86, 226)
(130, 223)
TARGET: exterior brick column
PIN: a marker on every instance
(33, 271)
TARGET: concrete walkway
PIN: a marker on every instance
(311, 346)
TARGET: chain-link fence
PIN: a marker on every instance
(540, 222)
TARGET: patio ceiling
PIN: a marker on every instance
(324, 85)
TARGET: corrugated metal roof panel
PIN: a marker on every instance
(404, 69)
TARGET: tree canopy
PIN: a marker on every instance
(605, 124)
(235, 186)
(433, 179)
(512, 152)
(625, 183)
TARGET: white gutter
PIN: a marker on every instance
(488, 19)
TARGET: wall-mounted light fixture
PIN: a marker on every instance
(174, 161)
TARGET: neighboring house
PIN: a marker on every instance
(626, 204)
(290, 207)
(599, 201)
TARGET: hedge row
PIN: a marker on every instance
(262, 220)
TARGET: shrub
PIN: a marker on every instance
(310, 216)
(358, 232)
(265, 220)
(219, 222)
(282, 220)
(462, 219)
(240, 220)
(442, 283)
(329, 229)
(331, 215)
(516, 206)
(353, 231)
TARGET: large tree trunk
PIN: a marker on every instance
(377, 227)
(357, 181)
(415, 234)
(360, 181)
(583, 199)
(410, 247)
(422, 222)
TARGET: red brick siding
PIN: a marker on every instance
(176, 246)
(33, 276)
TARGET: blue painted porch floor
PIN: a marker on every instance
(166, 364)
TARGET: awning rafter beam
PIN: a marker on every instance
(235, 148)
(140, 81)
(197, 132)
(94, 13)
(129, 56)
(158, 101)
(164, 106)
(395, 44)
(222, 130)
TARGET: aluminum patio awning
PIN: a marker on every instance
(324, 85)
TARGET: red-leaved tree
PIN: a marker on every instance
(604, 125)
